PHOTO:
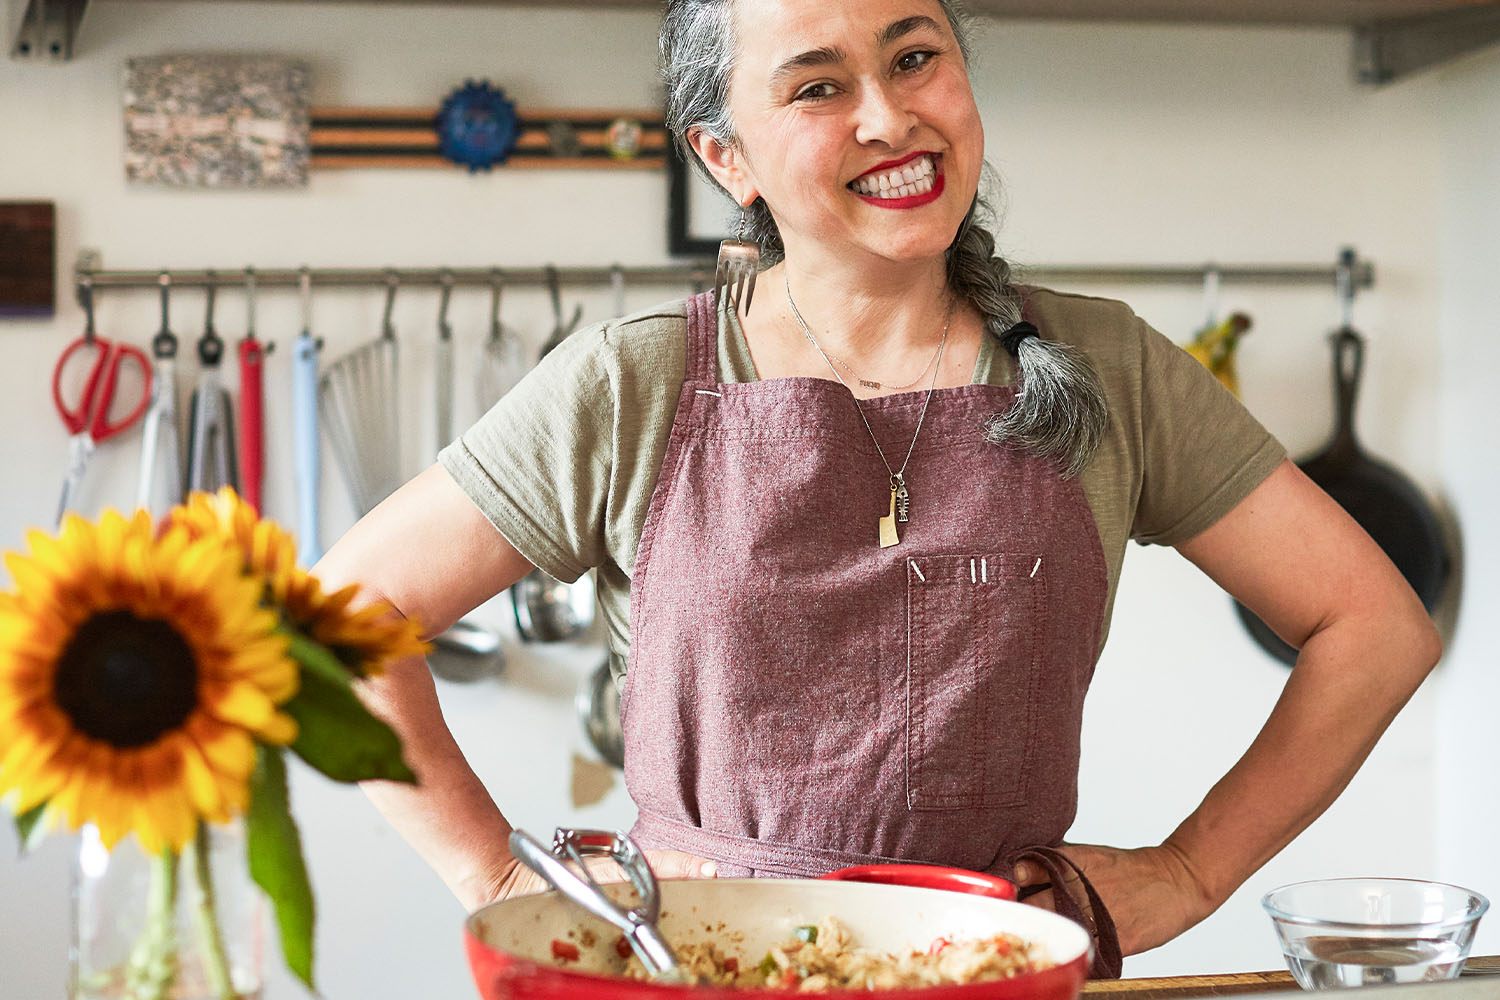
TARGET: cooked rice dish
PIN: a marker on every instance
(825, 957)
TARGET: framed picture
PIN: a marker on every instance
(699, 215)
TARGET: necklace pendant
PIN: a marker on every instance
(888, 536)
(868, 384)
(903, 503)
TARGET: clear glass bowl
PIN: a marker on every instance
(1370, 931)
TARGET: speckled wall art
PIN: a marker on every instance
(216, 121)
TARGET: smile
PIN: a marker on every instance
(916, 181)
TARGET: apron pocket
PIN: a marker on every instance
(972, 672)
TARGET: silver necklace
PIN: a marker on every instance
(872, 384)
(900, 496)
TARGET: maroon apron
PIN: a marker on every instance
(799, 699)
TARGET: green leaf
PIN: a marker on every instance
(276, 863)
(30, 829)
(316, 657)
(337, 735)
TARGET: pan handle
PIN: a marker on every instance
(1348, 366)
(929, 877)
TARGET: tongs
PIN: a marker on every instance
(637, 924)
(561, 327)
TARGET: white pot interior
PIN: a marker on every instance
(747, 916)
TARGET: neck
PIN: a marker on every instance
(860, 312)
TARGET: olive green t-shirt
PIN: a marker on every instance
(565, 464)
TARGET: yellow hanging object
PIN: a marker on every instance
(1214, 347)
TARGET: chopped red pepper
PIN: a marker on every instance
(563, 951)
(732, 966)
(1002, 946)
(622, 947)
(789, 978)
(938, 944)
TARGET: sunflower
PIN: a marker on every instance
(362, 638)
(136, 674)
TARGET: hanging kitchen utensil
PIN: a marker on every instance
(161, 476)
(357, 401)
(252, 401)
(211, 458)
(306, 441)
(466, 650)
(88, 415)
(501, 363)
(598, 707)
(1383, 500)
(548, 610)
(560, 327)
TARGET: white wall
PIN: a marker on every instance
(1116, 144)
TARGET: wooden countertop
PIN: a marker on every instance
(1173, 987)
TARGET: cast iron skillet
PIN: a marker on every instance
(1384, 502)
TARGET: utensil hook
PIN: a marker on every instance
(164, 344)
(617, 284)
(554, 288)
(86, 296)
(1344, 282)
(210, 347)
(392, 280)
(1211, 283)
(497, 281)
(304, 284)
(445, 332)
(249, 303)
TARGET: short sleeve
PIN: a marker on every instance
(537, 465)
(1202, 451)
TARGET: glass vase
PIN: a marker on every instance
(186, 926)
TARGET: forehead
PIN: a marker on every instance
(770, 32)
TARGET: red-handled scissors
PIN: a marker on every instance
(88, 420)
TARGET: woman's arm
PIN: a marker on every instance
(430, 553)
(1293, 556)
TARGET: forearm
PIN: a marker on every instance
(448, 817)
(1333, 710)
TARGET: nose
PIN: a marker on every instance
(882, 117)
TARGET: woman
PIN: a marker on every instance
(861, 610)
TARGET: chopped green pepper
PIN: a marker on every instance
(807, 933)
(767, 965)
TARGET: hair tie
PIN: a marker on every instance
(1011, 339)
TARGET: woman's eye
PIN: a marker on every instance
(911, 61)
(816, 92)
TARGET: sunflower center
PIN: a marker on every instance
(126, 680)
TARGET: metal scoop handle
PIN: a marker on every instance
(637, 924)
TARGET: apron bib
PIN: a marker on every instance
(799, 699)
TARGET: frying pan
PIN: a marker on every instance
(1384, 502)
(509, 943)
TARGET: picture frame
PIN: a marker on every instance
(699, 215)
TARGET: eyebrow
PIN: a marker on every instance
(828, 55)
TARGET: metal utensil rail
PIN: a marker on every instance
(1359, 272)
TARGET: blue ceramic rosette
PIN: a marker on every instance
(477, 126)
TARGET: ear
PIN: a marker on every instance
(726, 164)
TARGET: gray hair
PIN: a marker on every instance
(1060, 412)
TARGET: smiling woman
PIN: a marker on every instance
(857, 617)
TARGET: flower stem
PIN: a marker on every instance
(206, 916)
(152, 967)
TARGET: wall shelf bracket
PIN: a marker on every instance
(47, 30)
(1388, 50)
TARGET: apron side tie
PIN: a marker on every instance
(1108, 961)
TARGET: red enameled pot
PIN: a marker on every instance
(889, 907)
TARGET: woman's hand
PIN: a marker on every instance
(518, 880)
(1150, 892)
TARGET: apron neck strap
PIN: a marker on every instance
(702, 338)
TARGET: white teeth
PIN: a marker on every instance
(916, 177)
